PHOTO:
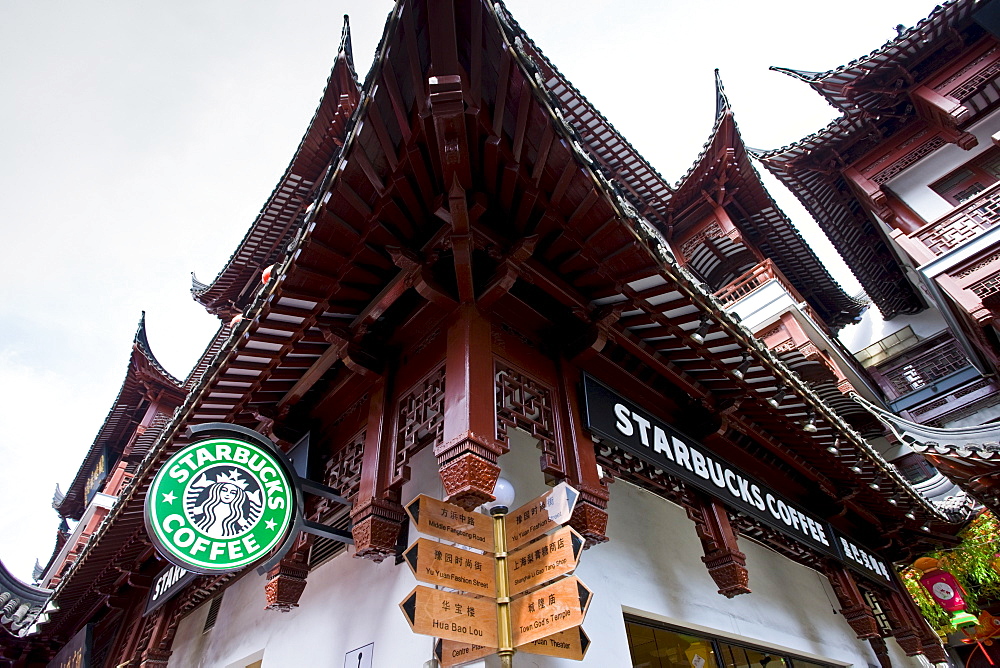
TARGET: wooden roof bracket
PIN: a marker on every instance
(944, 113)
(725, 562)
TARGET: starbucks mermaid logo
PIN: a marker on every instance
(220, 504)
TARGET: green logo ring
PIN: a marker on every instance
(220, 504)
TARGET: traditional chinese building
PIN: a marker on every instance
(466, 272)
(904, 184)
(901, 184)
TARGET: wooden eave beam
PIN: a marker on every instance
(311, 376)
(393, 290)
(663, 367)
(396, 99)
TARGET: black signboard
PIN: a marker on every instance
(97, 475)
(862, 561)
(167, 584)
(638, 432)
(75, 653)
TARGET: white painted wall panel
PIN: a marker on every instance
(912, 184)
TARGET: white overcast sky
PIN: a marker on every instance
(138, 141)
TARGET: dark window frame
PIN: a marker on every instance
(964, 183)
(715, 640)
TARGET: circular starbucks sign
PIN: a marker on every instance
(220, 504)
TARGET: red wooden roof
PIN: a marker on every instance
(281, 216)
(864, 83)
(873, 94)
(809, 168)
(724, 161)
(638, 180)
(145, 377)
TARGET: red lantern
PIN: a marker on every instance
(265, 275)
(236, 320)
(941, 585)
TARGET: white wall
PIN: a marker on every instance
(764, 305)
(651, 567)
(911, 185)
(872, 327)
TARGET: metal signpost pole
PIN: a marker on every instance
(505, 636)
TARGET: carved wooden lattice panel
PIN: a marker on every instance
(711, 231)
(343, 471)
(897, 166)
(925, 369)
(524, 403)
(421, 420)
(968, 221)
(987, 287)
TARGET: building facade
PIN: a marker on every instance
(467, 273)
(902, 185)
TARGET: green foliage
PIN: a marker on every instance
(971, 562)
(932, 612)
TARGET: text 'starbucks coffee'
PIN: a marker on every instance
(220, 504)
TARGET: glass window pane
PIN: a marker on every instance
(656, 647)
(990, 163)
(970, 192)
(736, 656)
(662, 648)
(953, 181)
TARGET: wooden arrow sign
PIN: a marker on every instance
(452, 566)
(451, 616)
(551, 609)
(544, 513)
(543, 560)
(450, 653)
(569, 644)
(450, 522)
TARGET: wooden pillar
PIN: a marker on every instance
(590, 517)
(155, 649)
(881, 651)
(131, 638)
(915, 635)
(468, 452)
(899, 611)
(853, 607)
(932, 648)
(725, 562)
(376, 514)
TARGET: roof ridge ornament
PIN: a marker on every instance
(801, 75)
(721, 100)
(345, 48)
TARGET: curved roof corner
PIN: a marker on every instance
(285, 209)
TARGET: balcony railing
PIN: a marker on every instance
(755, 279)
(921, 369)
(965, 222)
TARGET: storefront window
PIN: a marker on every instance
(654, 646)
(662, 648)
(734, 656)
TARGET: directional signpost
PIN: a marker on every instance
(541, 515)
(453, 616)
(522, 597)
(447, 566)
(450, 522)
(450, 653)
(544, 560)
(569, 644)
(551, 609)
